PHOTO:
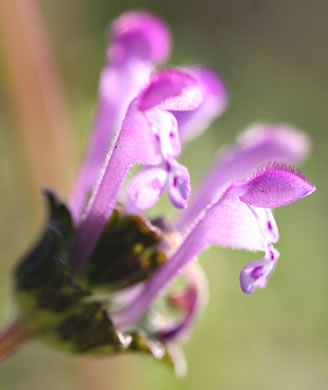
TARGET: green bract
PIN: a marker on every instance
(67, 314)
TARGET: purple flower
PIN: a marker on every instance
(241, 218)
(144, 138)
(138, 41)
(147, 186)
(104, 242)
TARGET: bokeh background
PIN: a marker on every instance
(273, 56)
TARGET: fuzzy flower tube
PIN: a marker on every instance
(99, 280)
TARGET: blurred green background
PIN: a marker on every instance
(273, 57)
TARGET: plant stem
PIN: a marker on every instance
(11, 339)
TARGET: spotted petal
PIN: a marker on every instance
(179, 185)
(257, 273)
(165, 128)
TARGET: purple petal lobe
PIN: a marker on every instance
(140, 34)
(289, 145)
(193, 123)
(179, 186)
(276, 186)
(258, 145)
(171, 90)
(257, 273)
(145, 188)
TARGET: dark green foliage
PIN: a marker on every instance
(43, 279)
(125, 255)
(66, 313)
(89, 330)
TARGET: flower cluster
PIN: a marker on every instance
(92, 283)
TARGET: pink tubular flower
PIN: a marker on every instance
(238, 218)
(103, 242)
(257, 145)
(138, 41)
(145, 137)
